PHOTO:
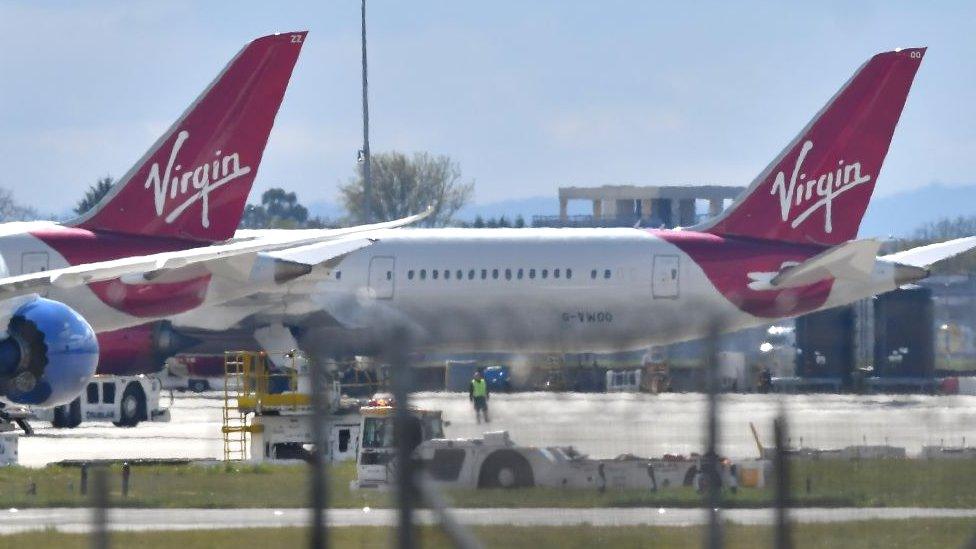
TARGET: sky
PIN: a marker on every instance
(525, 96)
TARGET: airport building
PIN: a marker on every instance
(652, 205)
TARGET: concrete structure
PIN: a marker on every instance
(653, 206)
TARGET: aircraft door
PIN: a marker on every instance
(381, 277)
(666, 272)
(33, 262)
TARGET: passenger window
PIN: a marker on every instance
(555, 273)
(484, 274)
(447, 274)
(389, 275)
(410, 274)
(545, 273)
(434, 273)
(606, 273)
(338, 275)
(593, 274)
(92, 395)
(471, 274)
(108, 393)
(508, 274)
(519, 275)
(423, 274)
(532, 273)
(494, 274)
(569, 273)
(459, 274)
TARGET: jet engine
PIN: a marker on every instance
(48, 355)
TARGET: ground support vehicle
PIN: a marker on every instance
(267, 413)
(495, 461)
(124, 400)
(376, 461)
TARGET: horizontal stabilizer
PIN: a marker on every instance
(923, 256)
(851, 260)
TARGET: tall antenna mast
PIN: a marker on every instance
(364, 154)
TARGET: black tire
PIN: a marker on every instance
(132, 408)
(67, 416)
(198, 385)
(506, 469)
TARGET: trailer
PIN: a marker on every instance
(495, 461)
(123, 400)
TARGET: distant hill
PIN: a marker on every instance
(893, 215)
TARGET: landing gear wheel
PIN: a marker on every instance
(506, 469)
(132, 408)
(198, 385)
(67, 416)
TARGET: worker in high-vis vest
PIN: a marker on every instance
(478, 394)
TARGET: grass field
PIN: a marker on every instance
(917, 533)
(867, 483)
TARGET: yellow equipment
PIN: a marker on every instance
(252, 387)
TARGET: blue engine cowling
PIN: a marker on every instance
(49, 355)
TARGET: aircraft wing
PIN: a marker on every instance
(924, 256)
(291, 253)
(854, 259)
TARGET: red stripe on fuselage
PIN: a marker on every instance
(79, 246)
(728, 263)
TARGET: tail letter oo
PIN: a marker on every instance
(817, 189)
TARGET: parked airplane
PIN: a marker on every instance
(786, 247)
(187, 191)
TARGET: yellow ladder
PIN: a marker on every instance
(234, 427)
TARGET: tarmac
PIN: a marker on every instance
(79, 520)
(598, 424)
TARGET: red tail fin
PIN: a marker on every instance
(194, 181)
(817, 189)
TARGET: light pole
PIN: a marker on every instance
(364, 157)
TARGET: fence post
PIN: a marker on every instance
(319, 539)
(402, 373)
(99, 535)
(710, 473)
(781, 467)
(126, 471)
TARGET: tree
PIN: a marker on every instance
(278, 210)
(94, 194)
(479, 222)
(519, 222)
(404, 186)
(10, 210)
